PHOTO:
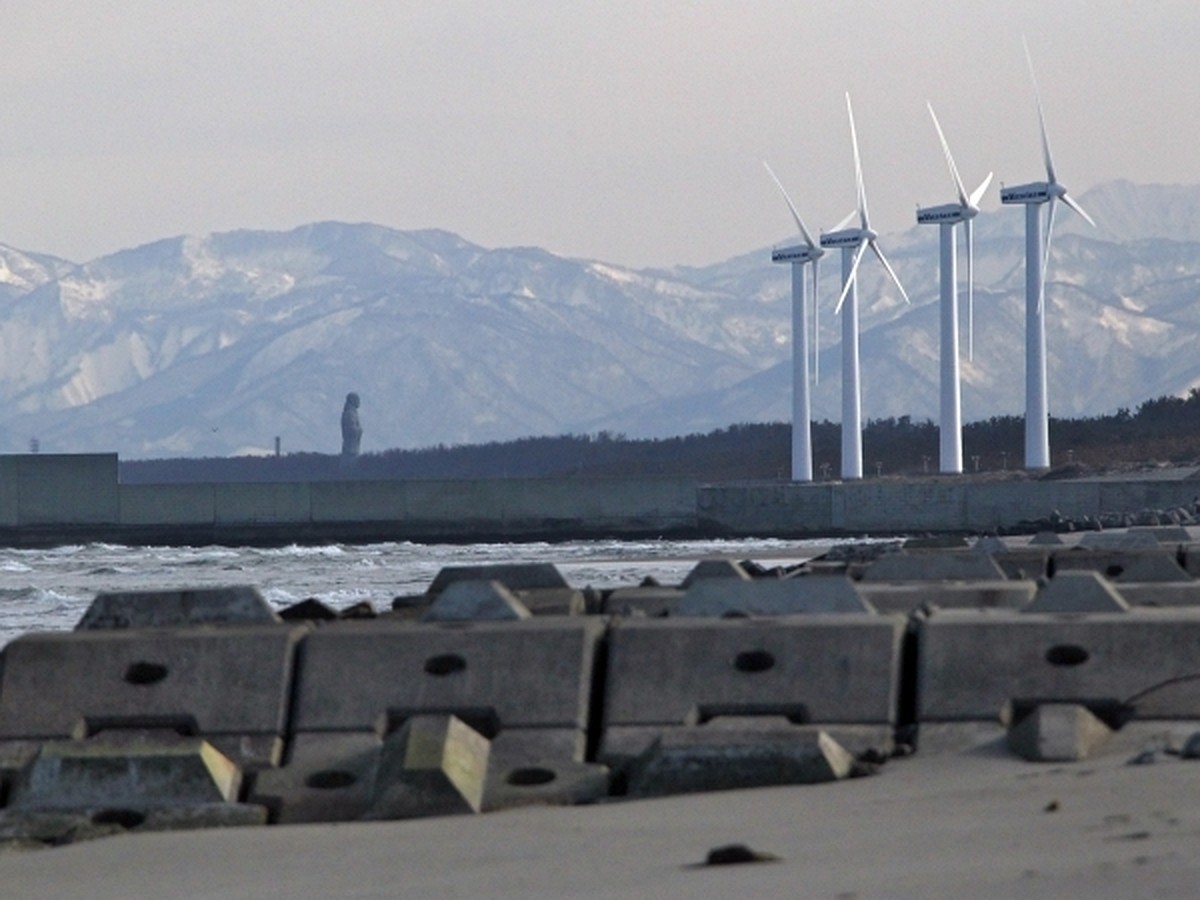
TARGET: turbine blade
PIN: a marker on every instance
(795, 215)
(816, 333)
(858, 178)
(1067, 199)
(892, 272)
(858, 255)
(846, 221)
(978, 193)
(1041, 117)
(1046, 256)
(958, 185)
(968, 234)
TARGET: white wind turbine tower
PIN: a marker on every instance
(947, 216)
(800, 255)
(1037, 256)
(854, 242)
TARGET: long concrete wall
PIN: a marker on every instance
(47, 498)
(922, 505)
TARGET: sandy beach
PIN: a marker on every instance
(971, 823)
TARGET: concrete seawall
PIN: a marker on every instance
(47, 499)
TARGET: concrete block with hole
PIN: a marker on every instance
(1055, 732)
(235, 605)
(554, 781)
(496, 676)
(724, 597)
(433, 765)
(798, 670)
(231, 685)
(1142, 661)
(125, 774)
(327, 777)
(684, 761)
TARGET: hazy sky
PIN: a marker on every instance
(632, 132)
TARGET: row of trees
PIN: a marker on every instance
(1166, 429)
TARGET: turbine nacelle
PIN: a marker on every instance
(848, 237)
(1034, 192)
(952, 213)
(798, 253)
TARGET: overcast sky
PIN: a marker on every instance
(632, 132)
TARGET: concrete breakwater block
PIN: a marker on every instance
(724, 597)
(1055, 732)
(237, 605)
(1154, 563)
(230, 685)
(1159, 593)
(548, 782)
(891, 597)
(690, 760)
(962, 565)
(652, 601)
(818, 669)
(496, 676)
(327, 777)
(1142, 661)
(431, 766)
(1077, 592)
(474, 601)
(30, 828)
(715, 568)
(514, 576)
(125, 774)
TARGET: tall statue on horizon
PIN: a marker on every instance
(351, 427)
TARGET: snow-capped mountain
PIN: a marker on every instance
(216, 345)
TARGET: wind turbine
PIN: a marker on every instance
(800, 255)
(947, 216)
(854, 242)
(1037, 257)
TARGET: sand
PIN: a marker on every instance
(969, 823)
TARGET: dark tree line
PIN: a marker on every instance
(1166, 429)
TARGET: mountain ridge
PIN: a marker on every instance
(216, 344)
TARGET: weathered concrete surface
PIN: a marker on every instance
(814, 669)
(1077, 592)
(125, 774)
(889, 597)
(933, 566)
(800, 595)
(972, 663)
(514, 576)
(327, 777)
(1057, 732)
(431, 766)
(550, 782)
(238, 604)
(59, 489)
(688, 760)
(232, 682)
(819, 668)
(363, 676)
(476, 601)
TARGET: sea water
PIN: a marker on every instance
(47, 590)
